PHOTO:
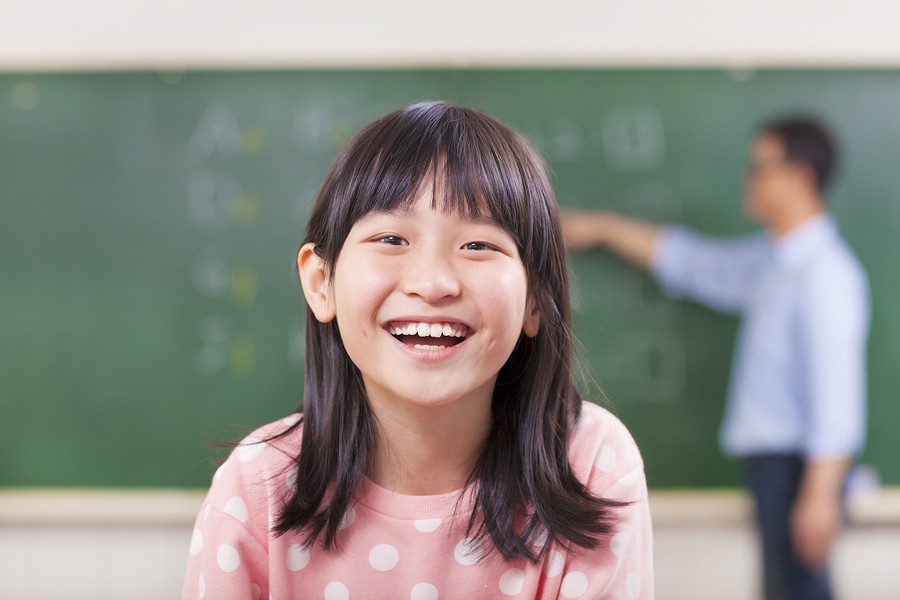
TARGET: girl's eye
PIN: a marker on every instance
(479, 246)
(392, 240)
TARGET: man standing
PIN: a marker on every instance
(795, 414)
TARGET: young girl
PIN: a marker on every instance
(441, 450)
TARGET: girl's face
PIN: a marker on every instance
(429, 305)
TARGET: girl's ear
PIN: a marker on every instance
(532, 323)
(316, 283)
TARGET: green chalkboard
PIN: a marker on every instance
(148, 225)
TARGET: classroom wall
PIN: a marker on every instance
(51, 34)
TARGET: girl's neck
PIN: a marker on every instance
(425, 451)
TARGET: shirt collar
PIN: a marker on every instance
(805, 240)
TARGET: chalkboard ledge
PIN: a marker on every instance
(179, 507)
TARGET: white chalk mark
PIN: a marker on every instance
(215, 338)
(211, 198)
(217, 131)
(633, 138)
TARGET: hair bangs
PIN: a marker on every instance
(474, 166)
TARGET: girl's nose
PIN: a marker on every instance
(431, 277)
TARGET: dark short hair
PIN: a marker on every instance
(807, 141)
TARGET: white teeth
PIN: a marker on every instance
(434, 330)
(424, 347)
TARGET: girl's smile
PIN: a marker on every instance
(429, 335)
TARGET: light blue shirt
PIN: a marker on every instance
(798, 382)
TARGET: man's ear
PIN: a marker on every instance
(316, 283)
(532, 323)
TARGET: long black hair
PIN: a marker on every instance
(526, 495)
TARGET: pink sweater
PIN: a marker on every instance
(398, 547)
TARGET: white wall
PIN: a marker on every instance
(91, 34)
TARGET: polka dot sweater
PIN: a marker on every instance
(398, 547)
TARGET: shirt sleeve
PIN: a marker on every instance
(228, 555)
(622, 568)
(834, 318)
(717, 272)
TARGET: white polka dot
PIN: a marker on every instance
(237, 508)
(348, 519)
(512, 582)
(228, 558)
(619, 543)
(574, 585)
(196, 542)
(427, 525)
(291, 420)
(605, 459)
(383, 557)
(336, 591)
(297, 557)
(631, 477)
(540, 537)
(218, 472)
(423, 591)
(249, 449)
(291, 479)
(633, 586)
(555, 563)
(206, 512)
(201, 588)
(467, 552)
(256, 591)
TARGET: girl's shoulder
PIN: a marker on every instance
(602, 450)
(266, 453)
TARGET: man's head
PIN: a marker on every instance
(792, 161)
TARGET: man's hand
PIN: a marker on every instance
(815, 522)
(583, 229)
(632, 239)
(816, 516)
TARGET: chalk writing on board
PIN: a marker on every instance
(24, 95)
(244, 286)
(212, 197)
(636, 296)
(652, 201)
(319, 131)
(215, 338)
(633, 138)
(242, 355)
(216, 202)
(211, 273)
(217, 131)
(560, 140)
(566, 140)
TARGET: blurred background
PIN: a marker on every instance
(157, 163)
